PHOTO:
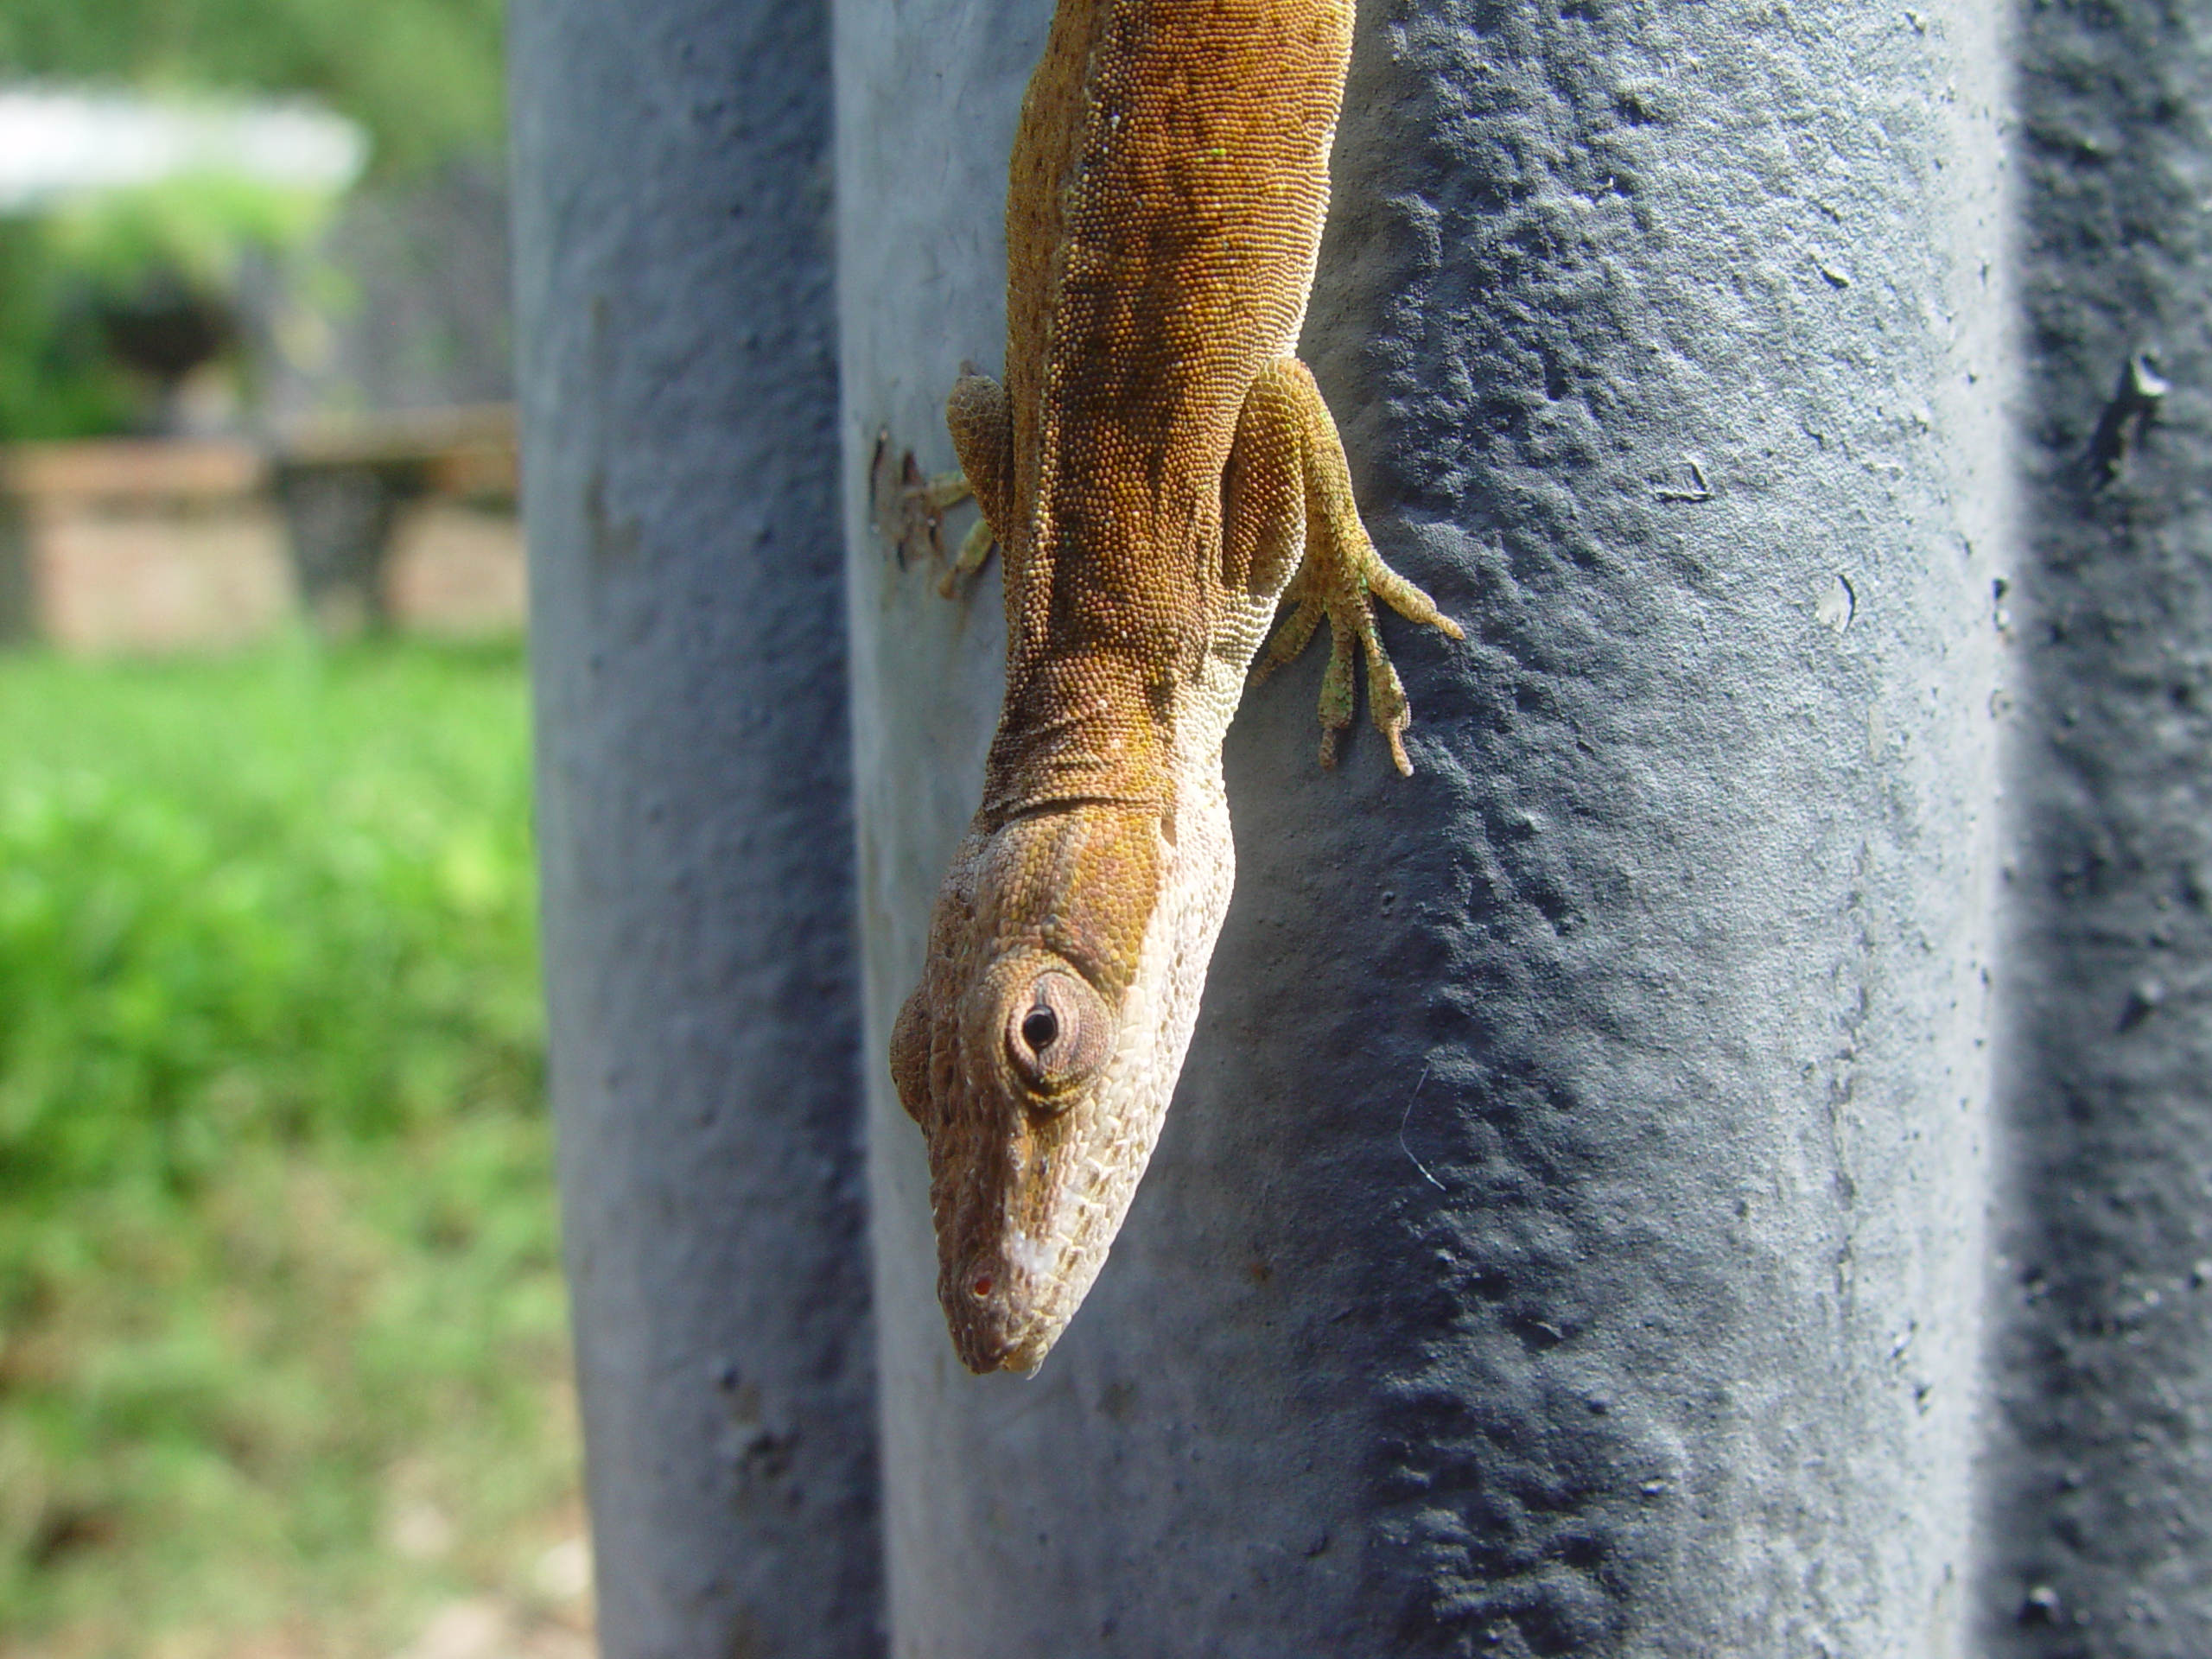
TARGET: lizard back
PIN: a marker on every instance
(1170, 178)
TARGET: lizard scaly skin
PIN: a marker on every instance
(1161, 472)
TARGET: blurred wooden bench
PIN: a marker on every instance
(152, 544)
(341, 484)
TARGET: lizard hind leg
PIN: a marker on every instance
(1288, 465)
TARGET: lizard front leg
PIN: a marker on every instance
(1292, 529)
(981, 423)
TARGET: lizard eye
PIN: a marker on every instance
(1058, 1035)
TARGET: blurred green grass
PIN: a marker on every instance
(278, 1252)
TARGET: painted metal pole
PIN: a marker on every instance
(1567, 1237)
(679, 386)
(2100, 1498)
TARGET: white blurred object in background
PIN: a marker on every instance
(57, 144)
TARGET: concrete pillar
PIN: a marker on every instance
(679, 384)
(1567, 1237)
(2099, 1499)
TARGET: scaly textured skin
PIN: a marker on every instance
(1160, 472)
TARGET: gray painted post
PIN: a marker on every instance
(1567, 1237)
(2100, 1501)
(678, 380)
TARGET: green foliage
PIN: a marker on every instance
(301, 910)
(277, 1245)
(57, 376)
(424, 76)
(199, 229)
(56, 379)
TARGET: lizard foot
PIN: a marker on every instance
(1339, 578)
(948, 490)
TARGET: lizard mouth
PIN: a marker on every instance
(983, 1353)
(1001, 1318)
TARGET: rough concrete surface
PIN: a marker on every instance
(1568, 1235)
(679, 381)
(2099, 1475)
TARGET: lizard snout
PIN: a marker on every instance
(994, 1328)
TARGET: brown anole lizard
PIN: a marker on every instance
(1160, 472)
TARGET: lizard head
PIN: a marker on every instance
(1038, 1055)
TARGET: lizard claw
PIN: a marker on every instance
(1341, 590)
